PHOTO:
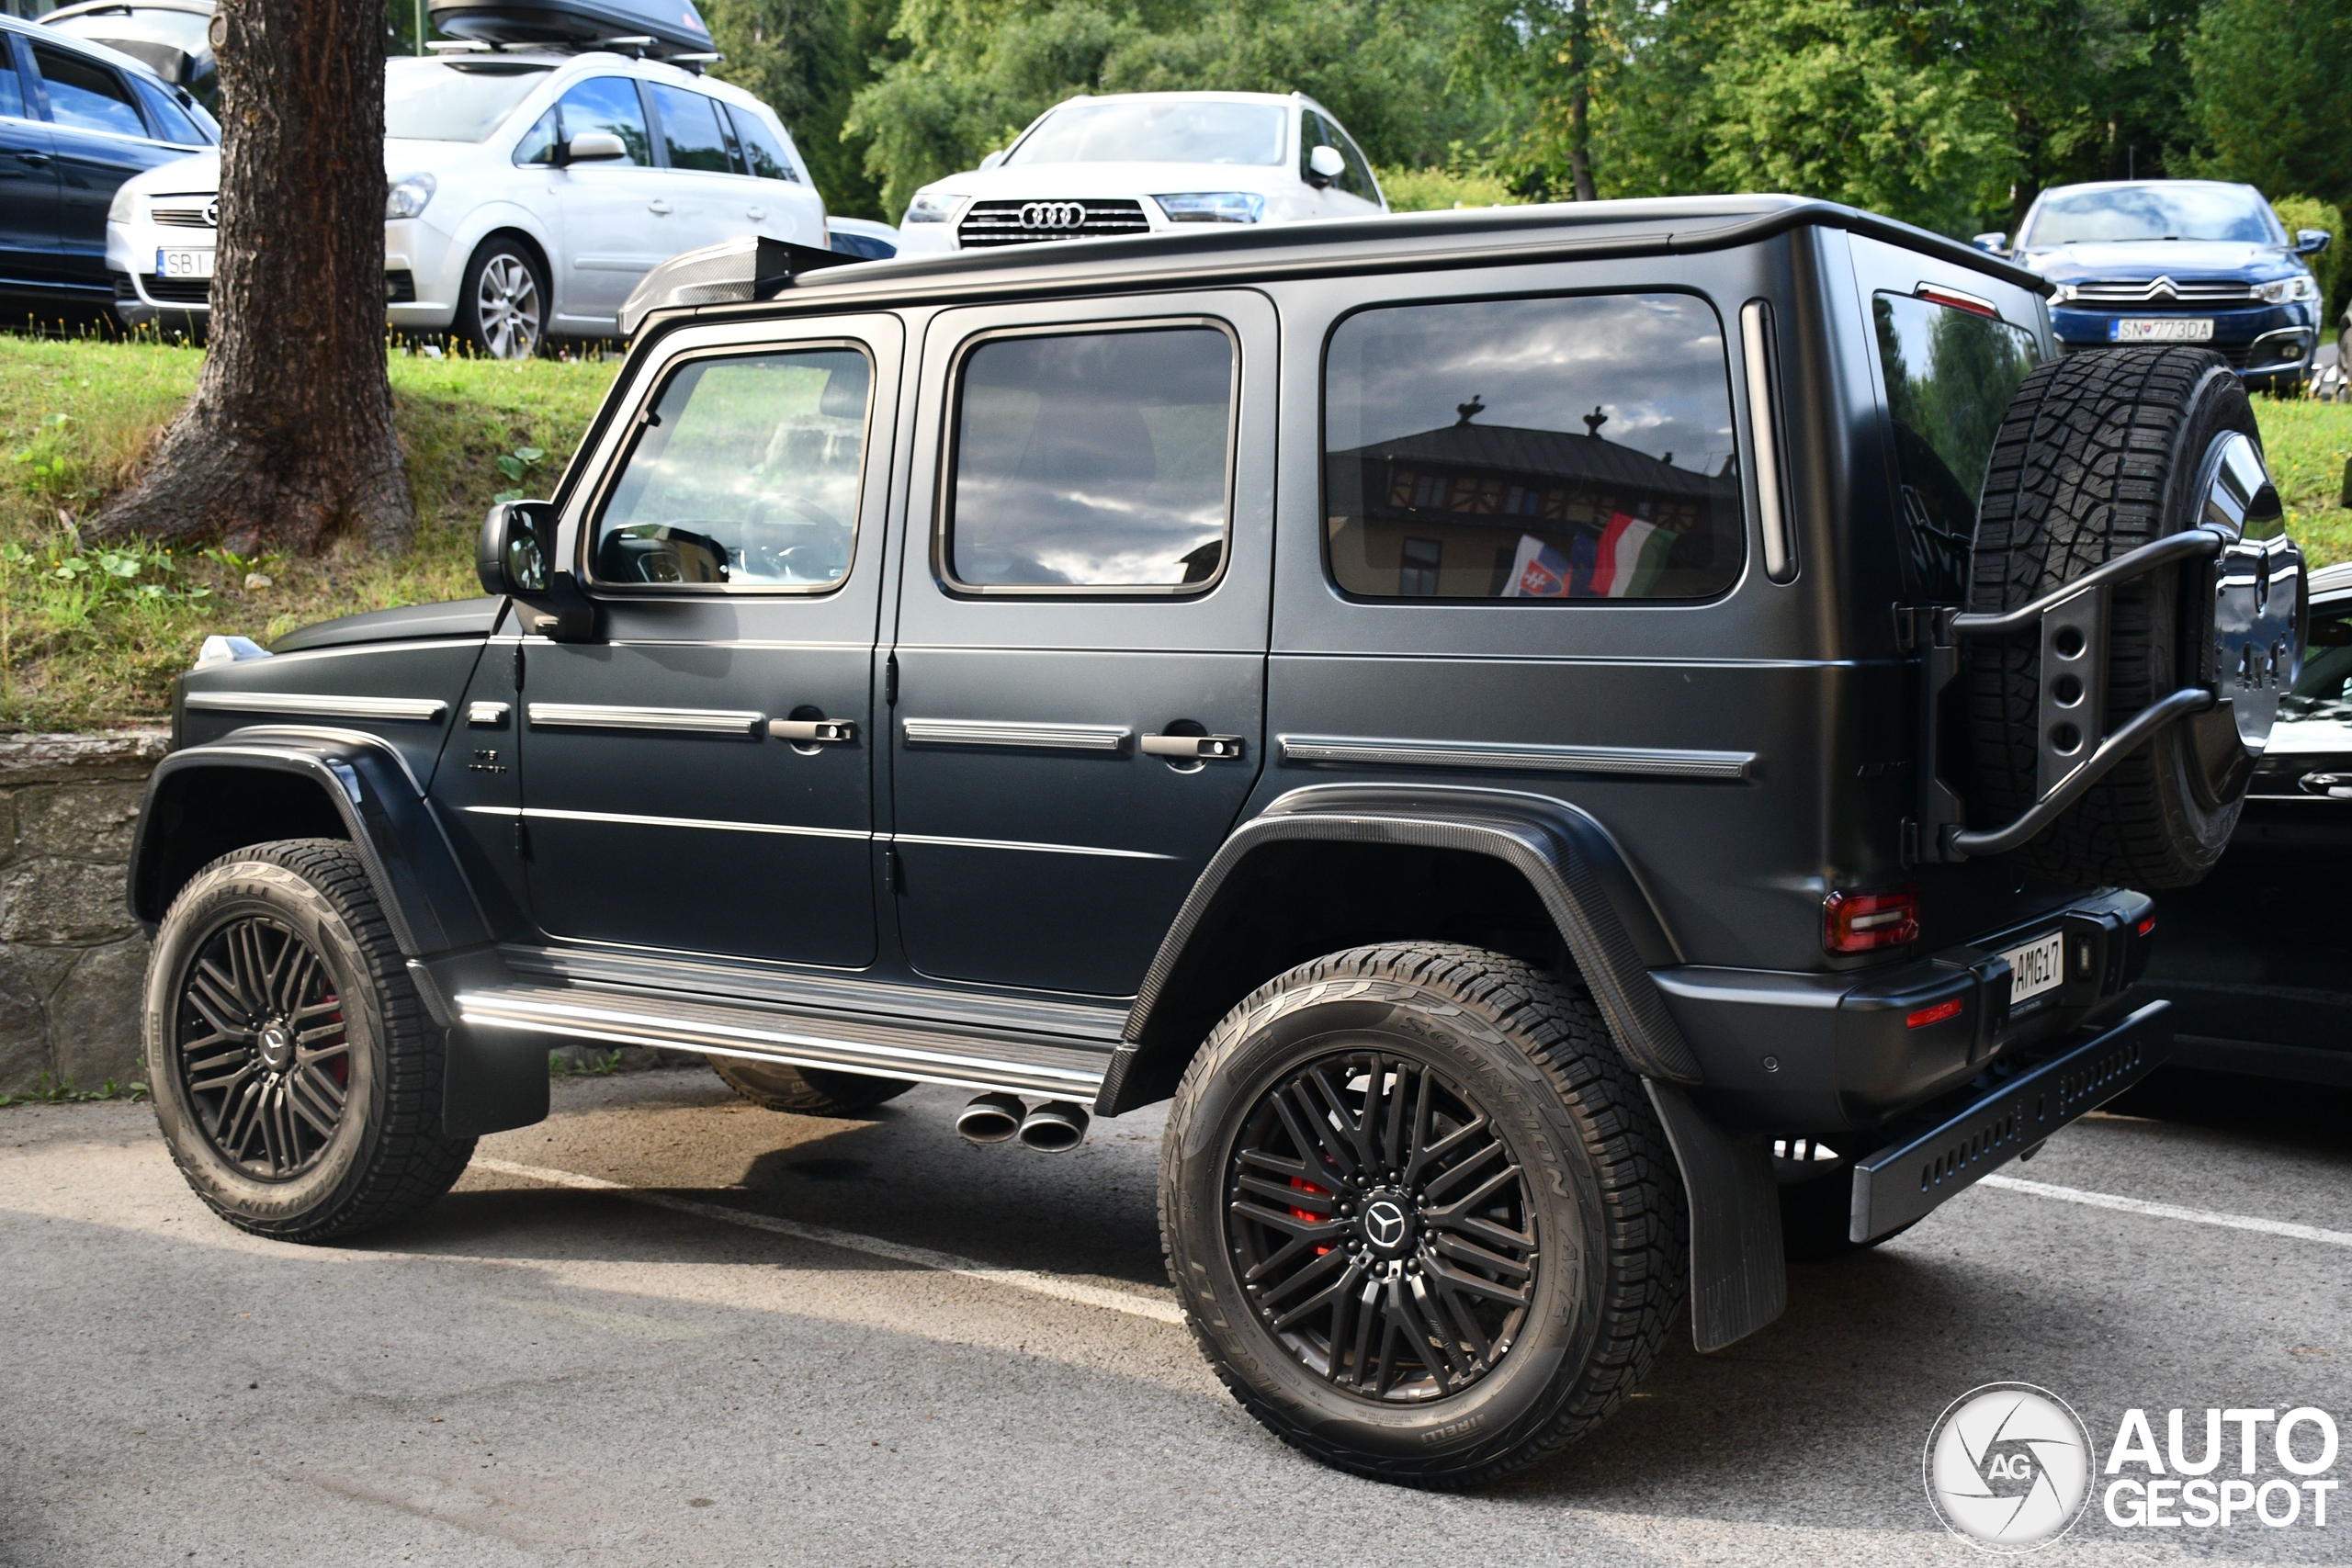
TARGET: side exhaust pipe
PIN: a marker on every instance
(1054, 1127)
(992, 1118)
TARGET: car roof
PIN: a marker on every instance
(1414, 240)
(87, 7)
(1203, 96)
(556, 61)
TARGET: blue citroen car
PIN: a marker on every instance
(2177, 261)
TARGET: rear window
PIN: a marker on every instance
(1950, 376)
(453, 100)
(1559, 449)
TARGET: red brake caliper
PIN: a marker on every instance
(1303, 1185)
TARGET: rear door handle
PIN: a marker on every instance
(30, 160)
(814, 731)
(755, 213)
(1192, 745)
(661, 207)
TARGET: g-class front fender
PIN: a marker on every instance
(1609, 926)
(294, 781)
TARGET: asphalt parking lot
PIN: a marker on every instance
(667, 1327)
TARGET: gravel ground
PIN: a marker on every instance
(543, 1368)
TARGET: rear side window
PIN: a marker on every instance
(1093, 461)
(1950, 376)
(12, 87)
(691, 131)
(87, 97)
(746, 475)
(761, 149)
(171, 122)
(609, 103)
(1559, 449)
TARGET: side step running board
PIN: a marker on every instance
(968, 1060)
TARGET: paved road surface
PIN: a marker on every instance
(545, 1369)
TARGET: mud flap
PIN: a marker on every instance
(1739, 1280)
(493, 1080)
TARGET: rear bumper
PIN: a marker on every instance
(1948, 1147)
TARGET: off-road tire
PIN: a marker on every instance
(1607, 1200)
(806, 1091)
(2098, 455)
(387, 1158)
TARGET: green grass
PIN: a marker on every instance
(2308, 444)
(51, 1092)
(94, 636)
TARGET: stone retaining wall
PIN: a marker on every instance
(72, 960)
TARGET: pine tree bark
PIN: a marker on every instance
(288, 440)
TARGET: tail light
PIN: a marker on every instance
(1865, 923)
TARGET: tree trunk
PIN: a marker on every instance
(288, 439)
(1580, 99)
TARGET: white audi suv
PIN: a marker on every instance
(1142, 163)
(526, 193)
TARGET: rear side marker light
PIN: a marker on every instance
(1936, 1014)
(1865, 923)
(2147, 925)
(1953, 297)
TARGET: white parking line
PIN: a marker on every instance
(2168, 1211)
(850, 1241)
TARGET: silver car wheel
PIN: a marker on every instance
(506, 308)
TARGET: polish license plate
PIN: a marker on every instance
(2160, 329)
(2038, 966)
(185, 262)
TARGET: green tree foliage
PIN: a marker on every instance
(2273, 104)
(808, 59)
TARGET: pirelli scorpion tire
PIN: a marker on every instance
(2099, 454)
(804, 1092)
(1422, 1219)
(297, 1077)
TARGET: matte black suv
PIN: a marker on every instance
(1586, 747)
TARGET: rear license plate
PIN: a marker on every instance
(2038, 966)
(2160, 329)
(184, 263)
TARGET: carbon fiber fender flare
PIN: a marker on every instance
(1611, 928)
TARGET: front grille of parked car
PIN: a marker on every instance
(177, 291)
(180, 217)
(1019, 222)
(2162, 291)
(122, 286)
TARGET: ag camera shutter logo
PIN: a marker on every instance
(2008, 1467)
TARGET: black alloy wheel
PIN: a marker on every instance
(262, 1050)
(1382, 1227)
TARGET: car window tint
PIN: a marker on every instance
(1311, 135)
(12, 87)
(1461, 461)
(747, 475)
(538, 145)
(691, 131)
(609, 103)
(171, 123)
(1093, 461)
(2324, 688)
(1950, 376)
(86, 96)
(1357, 180)
(761, 149)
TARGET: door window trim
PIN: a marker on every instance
(591, 515)
(943, 500)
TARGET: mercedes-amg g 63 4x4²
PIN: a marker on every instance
(1586, 747)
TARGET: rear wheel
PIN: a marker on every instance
(296, 1075)
(502, 302)
(1422, 1219)
(804, 1092)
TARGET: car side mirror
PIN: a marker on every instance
(2311, 242)
(593, 147)
(1995, 242)
(516, 556)
(993, 159)
(1324, 165)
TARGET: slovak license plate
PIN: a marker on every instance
(184, 263)
(2160, 329)
(2038, 966)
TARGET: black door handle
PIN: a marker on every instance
(30, 160)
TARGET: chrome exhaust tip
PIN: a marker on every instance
(1054, 1127)
(992, 1118)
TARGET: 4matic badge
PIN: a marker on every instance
(2008, 1467)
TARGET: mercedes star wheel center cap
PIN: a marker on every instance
(1386, 1225)
(277, 1047)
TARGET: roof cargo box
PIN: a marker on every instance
(674, 26)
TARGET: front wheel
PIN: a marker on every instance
(502, 303)
(297, 1077)
(1423, 1221)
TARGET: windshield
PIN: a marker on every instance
(1156, 131)
(2169, 211)
(453, 100)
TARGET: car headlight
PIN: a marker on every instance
(2065, 294)
(123, 206)
(933, 207)
(408, 195)
(2297, 289)
(1213, 207)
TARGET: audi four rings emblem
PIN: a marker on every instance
(1053, 215)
